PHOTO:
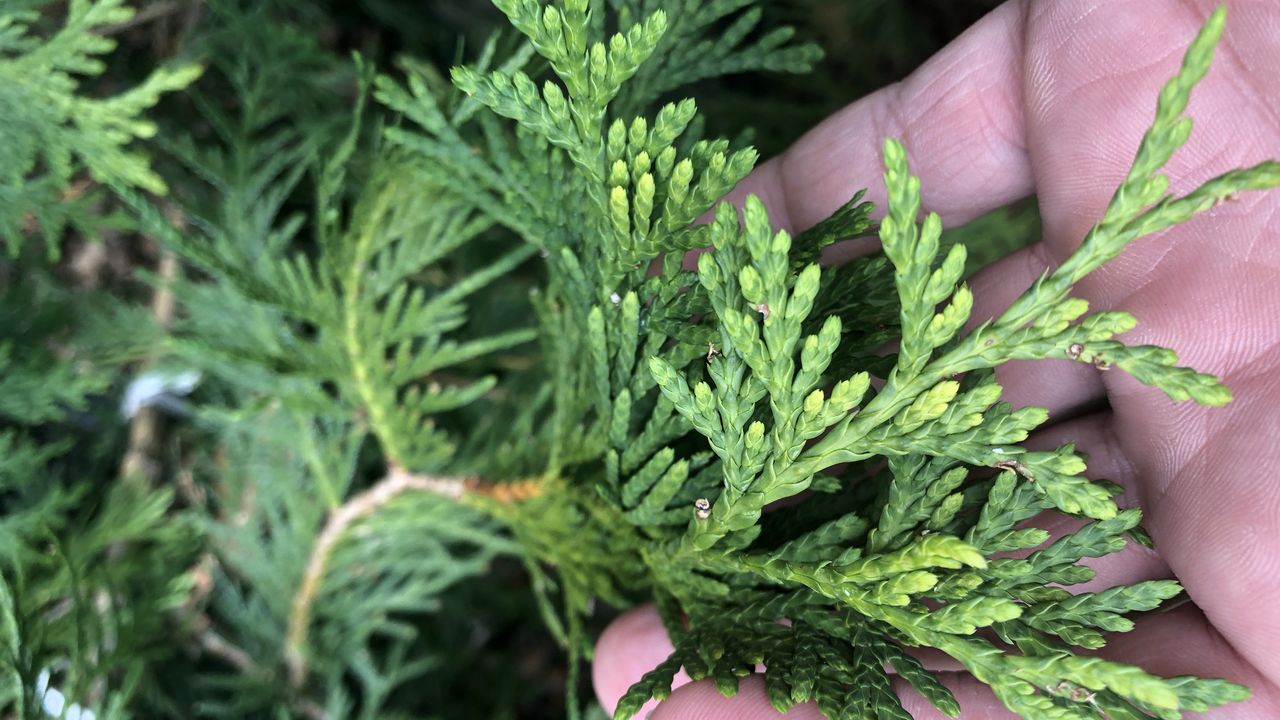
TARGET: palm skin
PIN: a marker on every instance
(1051, 97)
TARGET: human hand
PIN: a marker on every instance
(1051, 97)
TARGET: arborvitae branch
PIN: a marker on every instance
(357, 508)
(51, 131)
(641, 447)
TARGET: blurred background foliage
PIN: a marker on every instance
(143, 498)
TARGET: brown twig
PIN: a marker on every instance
(144, 429)
(212, 643)
(215, 645)
(396, 483)
(73, 192)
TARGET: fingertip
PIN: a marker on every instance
(975, 699)
(703, 701)
(631, 646)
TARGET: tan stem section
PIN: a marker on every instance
(142, 453)
(397, 482)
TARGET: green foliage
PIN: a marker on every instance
(924, 574)
(88, 574)
(343, 334)
(357, 623)
(450, 326)
(50, 133)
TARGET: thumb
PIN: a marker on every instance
(960, 116)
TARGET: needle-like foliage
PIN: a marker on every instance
(743, 353)
(450, 328)
(345, 343)
(50, 132)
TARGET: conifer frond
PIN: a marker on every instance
(483, 316)
(90, 571)
(742, 354)
(307, 619)
(937, 415)
(696, 48)
(125, 564)
(356, 332)
(49, 131)
(371, 331)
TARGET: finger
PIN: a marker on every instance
(976, 699)
(702, 701)
(1194, 287)
(1169, 644)
(631, 646)
(1093, 74)
(960, 116)
(1181, 641)
(1216, 514)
